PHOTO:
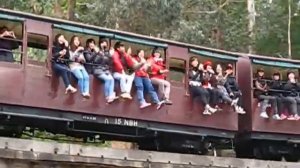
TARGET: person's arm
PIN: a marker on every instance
(89, 56)
(259, 86)
(116, 62)
(133, 64)
(228, 87)
(56, 52)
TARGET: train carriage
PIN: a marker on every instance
(259, 137)
(32, 96)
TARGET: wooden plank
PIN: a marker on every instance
(38, 151)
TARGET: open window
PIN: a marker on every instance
(216, 58)
(270, 67)
(177, 71)
(11, 40)
(37, 50)
(68, 35)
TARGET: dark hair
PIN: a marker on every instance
(260, 70)
(118, 44)
(72, 46)
(289, 72)
(55, 42)
(192, 60)
(102, 40)
(277, 74)
(155, 50)
(88, 41)
(3, 29)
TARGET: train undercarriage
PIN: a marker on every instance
(148, 136)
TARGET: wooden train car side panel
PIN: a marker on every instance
(43, 92)
(272, 126)
(245, 83)
(12, 83)
(252, 122)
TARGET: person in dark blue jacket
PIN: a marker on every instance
(292, 89)
(101, 67)
(60, 55)
(7, 44)
(233, 89)
(262, 94)
(275, 89)
(196, 88)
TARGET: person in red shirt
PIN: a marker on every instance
(158, 76)
(123, 68)
(143, 82)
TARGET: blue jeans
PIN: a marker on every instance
(142, 83)
(83, 79)
(63, 71)
(109, 84)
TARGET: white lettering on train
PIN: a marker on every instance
(92, 118)
(120, 121)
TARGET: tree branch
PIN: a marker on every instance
(211, 12)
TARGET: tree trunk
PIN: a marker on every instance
(251, 24)
(289, 32)
(71, 9)
(58, 12)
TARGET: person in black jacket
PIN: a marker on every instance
(195, 86)
(262, 94)
(101, 68)
(292, 89)
(60, 55)
(275, 89)
(233, 89)
(7, 44)
(90, 52)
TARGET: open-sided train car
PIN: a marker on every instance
(260, 137)
(32, 96)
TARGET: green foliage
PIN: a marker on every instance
(191, 21)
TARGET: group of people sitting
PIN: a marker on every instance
(281, 95)
(110, 64)
(214, 87)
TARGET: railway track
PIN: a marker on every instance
(20, 153)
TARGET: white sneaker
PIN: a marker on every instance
(206, 112)
(86, 95)
(234, 102)
(112, 99)
(126, 96)
(159, 104)
(264, 115)
(211, 110)
(239, 110)
(144, 105)
(70, 89)
(276, 117)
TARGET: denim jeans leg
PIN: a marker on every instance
(63, 71)
(78, 74)
(108, 84)
(138, 81)
(86, 81)
(150, 89)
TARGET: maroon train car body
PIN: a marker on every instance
(30, 98)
